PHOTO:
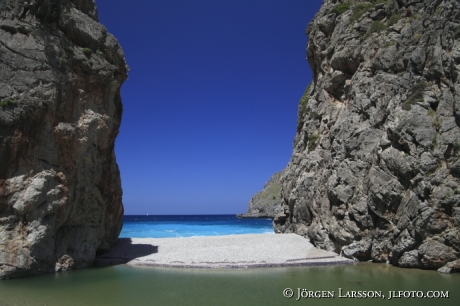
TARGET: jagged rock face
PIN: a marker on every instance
(266, 203)
(375, 172)
(60, 189)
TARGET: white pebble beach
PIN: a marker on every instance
(232, 251)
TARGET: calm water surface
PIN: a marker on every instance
(125, 285)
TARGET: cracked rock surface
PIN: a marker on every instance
(60, 110)
(375, 172)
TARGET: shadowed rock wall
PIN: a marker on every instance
(375, 172)
(60, 110)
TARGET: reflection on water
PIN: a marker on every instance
(125, 285)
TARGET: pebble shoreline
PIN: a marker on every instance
(232, 251)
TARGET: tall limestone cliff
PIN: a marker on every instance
(375, 173)
(60, 110)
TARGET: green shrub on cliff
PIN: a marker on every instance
(341, 8)
(416, 95)
(313, 141)
(315, 115)
(360, 10)
(87, 52)
(393, 19)
(8, 103)
(376, 26)
(303, 103)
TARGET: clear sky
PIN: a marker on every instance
(210, 106)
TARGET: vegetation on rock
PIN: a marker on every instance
(416, 96)
(342, 8)
(8, 103)
(376, 26)
(87, 52)
(359, 10)
(313, 141)
(393, 19)
(303, 103)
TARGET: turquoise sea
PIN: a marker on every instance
(192, 225)
(320, 285)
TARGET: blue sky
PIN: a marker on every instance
(210, 106)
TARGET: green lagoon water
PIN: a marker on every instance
(126, 285)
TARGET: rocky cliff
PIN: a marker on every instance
(375, 173)
(60, 110)
(266, 203)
